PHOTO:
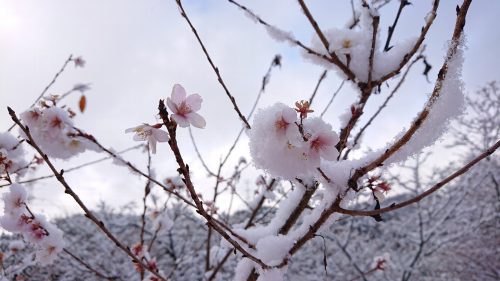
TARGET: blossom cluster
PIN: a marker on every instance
(11, 155)
(18, 218)
(52, 129)
(184, 114)
(289, 146)
(353, 45)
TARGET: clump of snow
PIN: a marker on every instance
(273, 249)
(278, 146)
(442, 109)
(52, 129)
(353, 47)
(35, 229)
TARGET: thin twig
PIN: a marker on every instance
(321, 78)
(70, 58)
(215, 68)
(402, 4)
(184, 169)
(80, 166)
(333, 97)
(86, 265)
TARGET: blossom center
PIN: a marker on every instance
(281, 124)
(183, 108)
(346, 43)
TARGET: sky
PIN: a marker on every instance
(137, 50)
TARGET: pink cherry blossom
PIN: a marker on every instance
(184, 108)
(152, 134)
(322, 140)
(15, 199)
(285, 123)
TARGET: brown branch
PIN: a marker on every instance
(215, 68)
(384, 104)
(265, 80)
(375, 22)
(79, 166)
(184, 170)
(431, 190)
(209, 232)
(203, 163)
(171, 191)
(147, 190)
(68, 190)
(301, 206)
(366, 91)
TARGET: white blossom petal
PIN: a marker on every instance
(180, 120)
(196, 120)
(194, 102)
(178, 94)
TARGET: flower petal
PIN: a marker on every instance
(329, 153)
(181, 120)
(196, 119)
(160, 135)
(178, 94)
(194, 102)
(172, 105)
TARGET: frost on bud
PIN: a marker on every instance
(277, 145)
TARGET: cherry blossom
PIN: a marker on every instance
(35, 229)
(184, 108)
(15, 199)
(285, 123)
(11, 155)
(152, 134)
(322, 140)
